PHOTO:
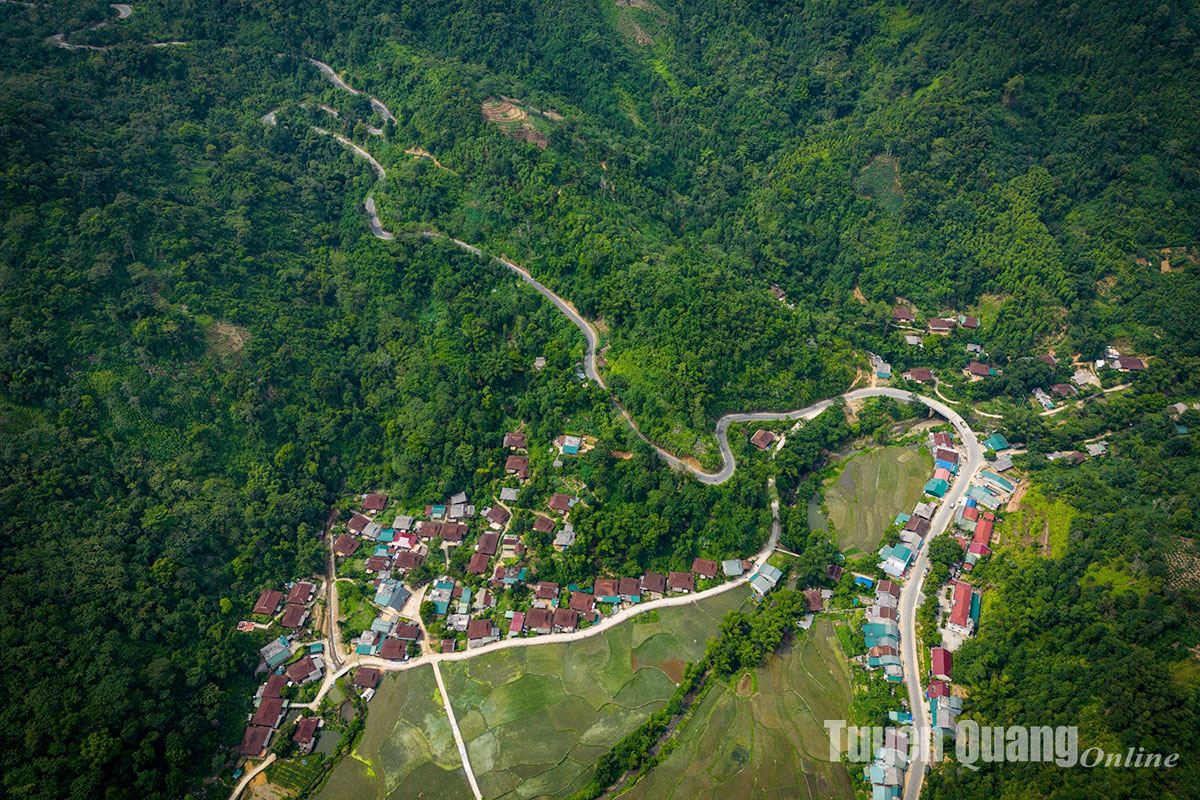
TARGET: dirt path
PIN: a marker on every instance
(458, 739)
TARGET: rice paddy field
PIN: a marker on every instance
(870, 490)
(535, 719)
(407, 749)
(762, 734)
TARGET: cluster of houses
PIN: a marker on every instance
(886, 773)
(881, 631)
(271, 707)
(944, 707)
(296, 606)
(556, 609)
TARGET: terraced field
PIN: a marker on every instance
(763, 735)
(535, 719)
(871, 489)
(407, 749)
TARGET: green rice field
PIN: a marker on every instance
(535, 719)
(407, 749)
(871, 489)
(763, 734)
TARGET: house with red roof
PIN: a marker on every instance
(940, 661)
(960, 611)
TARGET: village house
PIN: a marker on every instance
(1129, 364)
(268, 602)
(273, 688)
(515, 440)
(813, 601)
(497, 517)
(540, 620)
(366, 678)
(345, 545)
(487, 544)
(374, 503)
(582, 602)
(968, 322)
(940, 660)
(914, 341)
(902, 314)
(294, 616)
(270, 712)
(516, 624)
(942, 326)
(630, 590)
(481, 632)
(704, 568)
(543, 524)
(960, 612)
(1064, 390)
(478, 565)
(517, 465)
(977, 369)
(919, 375)
(392, 649)
(358, 523)
(453, 533)
(569, 445)
(301, 593)
(566, 620)
(681, 582)
(255, 741)
(732, 567)
(305, 736)
(654, 584)
(565, 537)
(607, 591)
(762, 439)
(509, 494)
(974, 348)
(309, 668)
(545, 594)
(562, 503)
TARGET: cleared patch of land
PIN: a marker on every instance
(515, 121)
(1041, 526)
(880, 180)
(407, 749)
(871, 489)
(762, 734)
(535, 719)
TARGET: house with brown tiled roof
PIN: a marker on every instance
(938, 325)
(582, 601)
(654, 583)
(255, 741)
(902, 314)
(345, 545)
(681, 582)
(392, 649)
(629, 588)
(358, 523)
(408, 559)
(497, 516)
(374, 503)
(566, 619)
(273, 687)
(1064, 390)
(302, 593)
(546, 591)
(704, 568)
(305, 736)
(453, 532)
(543, 524)
(478, 565)
(517, 465)
(270, 712)
(366, 678)
(407, 632)
(309, 668)
(515, 440)
(561, 502)
(812, 600)
(481, 632)
(762, 439)
(488, 543)
(378, 564)
(268, 602)
(294, 616)
(540, 620)
(919, 374)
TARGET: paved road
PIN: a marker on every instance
(337, 81)
(910, 598)
(373, 220)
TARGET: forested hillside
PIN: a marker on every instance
(202, 346)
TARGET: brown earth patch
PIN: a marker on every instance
(513, 121)
(225, 338)
(744, 685)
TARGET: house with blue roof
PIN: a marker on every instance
(999, 481)
(997, 442)
(936, 487)
(732, 567)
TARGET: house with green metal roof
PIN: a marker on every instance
(996, 442)
(937, 487)
(997, 480)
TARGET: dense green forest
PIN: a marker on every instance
(202, 346)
